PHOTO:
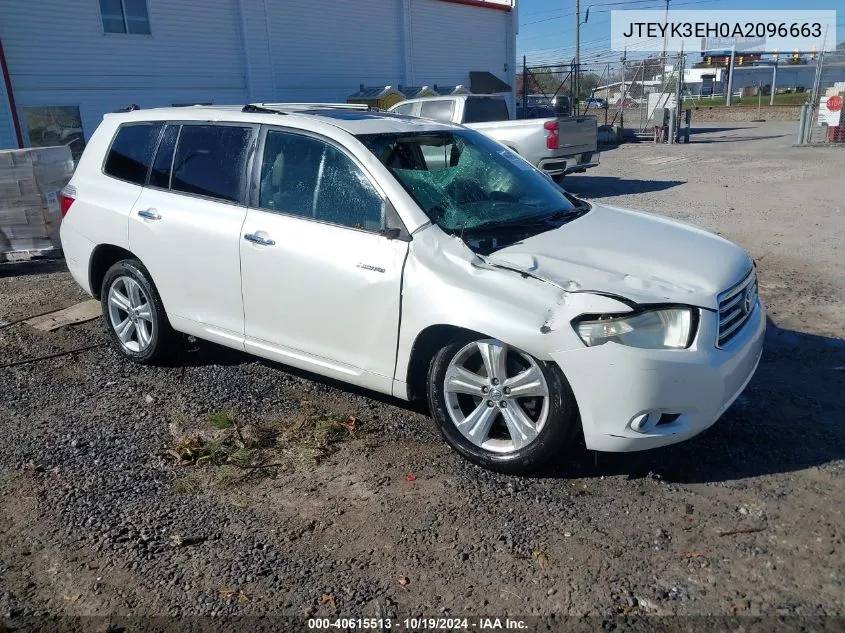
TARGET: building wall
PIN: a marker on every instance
(237, 51)
(58, 55)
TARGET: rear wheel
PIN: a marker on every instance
(134, 314)
(499, 407)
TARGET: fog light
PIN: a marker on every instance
(645, 421)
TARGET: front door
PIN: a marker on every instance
(321, 284)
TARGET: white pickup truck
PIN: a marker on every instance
(558, 145)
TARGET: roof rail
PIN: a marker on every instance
(253, 107)
(281, 108)
(130, 108)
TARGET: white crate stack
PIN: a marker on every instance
(30, 180)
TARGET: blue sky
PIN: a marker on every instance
(547, 27)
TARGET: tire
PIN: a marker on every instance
(129, 297)
(462, 403)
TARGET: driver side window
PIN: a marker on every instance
(304, 176)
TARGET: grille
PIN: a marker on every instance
(735, 306)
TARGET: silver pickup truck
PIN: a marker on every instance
(559, 146)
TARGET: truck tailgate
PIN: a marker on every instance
(578, 134)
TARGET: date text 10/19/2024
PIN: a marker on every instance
(416, 624)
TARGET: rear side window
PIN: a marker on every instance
(439, 110)
(132, 152)
(160, 174)
(484, 109)
(210, 161)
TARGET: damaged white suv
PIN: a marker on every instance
(418, 259)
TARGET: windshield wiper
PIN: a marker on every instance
(528, 223)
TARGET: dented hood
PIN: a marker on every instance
(639, 256)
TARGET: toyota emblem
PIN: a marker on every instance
(748, 303)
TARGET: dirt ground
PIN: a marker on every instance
(746, 519)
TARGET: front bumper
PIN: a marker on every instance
(614, 384)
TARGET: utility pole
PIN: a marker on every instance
(577, 50)
(730, 76)
(774, 80)
(665, 46)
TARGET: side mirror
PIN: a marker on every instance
(394, 228)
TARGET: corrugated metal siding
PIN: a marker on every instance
(450, 40)
(259, 61)
(234, 51)
(323, 49)
(58, 55)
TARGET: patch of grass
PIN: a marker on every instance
(185, 485)
(222, 420)
(236, 447)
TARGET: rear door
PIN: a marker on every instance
(321, 283)
(186, 225)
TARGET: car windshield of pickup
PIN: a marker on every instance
(470, 185)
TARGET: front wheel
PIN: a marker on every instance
(499, 407)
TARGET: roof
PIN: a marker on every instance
(351, 118)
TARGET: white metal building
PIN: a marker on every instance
(65, 64)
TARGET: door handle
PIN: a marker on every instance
(149, 214)
(257, 239)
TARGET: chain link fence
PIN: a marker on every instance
(626, 95)
(824, 122)
(638, 99)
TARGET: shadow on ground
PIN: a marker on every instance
(32, 267)
(735, 139)
(606, 186)
(789, 418)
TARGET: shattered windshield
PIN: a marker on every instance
(465, 181)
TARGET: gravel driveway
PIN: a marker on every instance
(96, 517)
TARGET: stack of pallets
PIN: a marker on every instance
(30, 180)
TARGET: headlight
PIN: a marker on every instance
(666, 328)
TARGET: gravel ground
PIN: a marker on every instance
(745, 519)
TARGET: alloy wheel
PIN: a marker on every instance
(497, 397)
(130, 314)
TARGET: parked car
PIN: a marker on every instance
(594, 102)
(535, 112)
(557, 145)
(415, 258)
(627, 103)
(561, 104)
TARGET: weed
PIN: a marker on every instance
(305, 438)
(185, 485)
(222, 420)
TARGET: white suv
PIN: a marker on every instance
(414, 258)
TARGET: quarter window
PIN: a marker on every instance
(132, 152)
(210, 161)
(304, 176)
(125, 16)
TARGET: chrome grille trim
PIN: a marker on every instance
(733, 308)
